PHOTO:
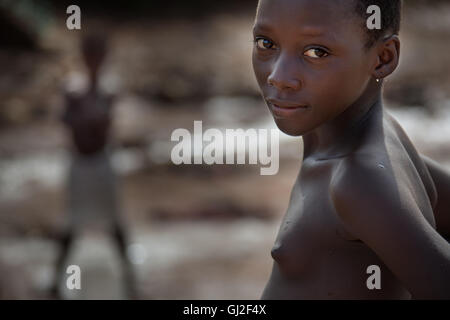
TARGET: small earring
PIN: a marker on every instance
(378, 80)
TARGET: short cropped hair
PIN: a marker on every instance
(390, 18)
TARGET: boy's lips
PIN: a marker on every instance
(285, 109)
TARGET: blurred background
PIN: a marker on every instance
(194, 232)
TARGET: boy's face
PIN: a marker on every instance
(309, 60)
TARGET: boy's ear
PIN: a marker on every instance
(388, 54)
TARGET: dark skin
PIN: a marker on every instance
(364, 195)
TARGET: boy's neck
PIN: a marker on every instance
(338, 137)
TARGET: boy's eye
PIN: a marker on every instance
(264, 44)
(316, 53)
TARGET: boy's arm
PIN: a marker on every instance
(384, 215)
(441, 178)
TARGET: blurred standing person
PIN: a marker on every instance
(92, 187)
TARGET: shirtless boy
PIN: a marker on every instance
(364, 195)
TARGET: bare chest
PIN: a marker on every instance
(310, 228)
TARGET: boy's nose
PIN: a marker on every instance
(283, 77)
(284, 84)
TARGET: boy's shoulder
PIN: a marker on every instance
(362, 178)
(376, 183)
(369, 197)
(385, 168)
(378, 203)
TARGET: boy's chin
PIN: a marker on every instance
(290, 127)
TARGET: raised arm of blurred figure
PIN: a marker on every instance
(441, 178)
